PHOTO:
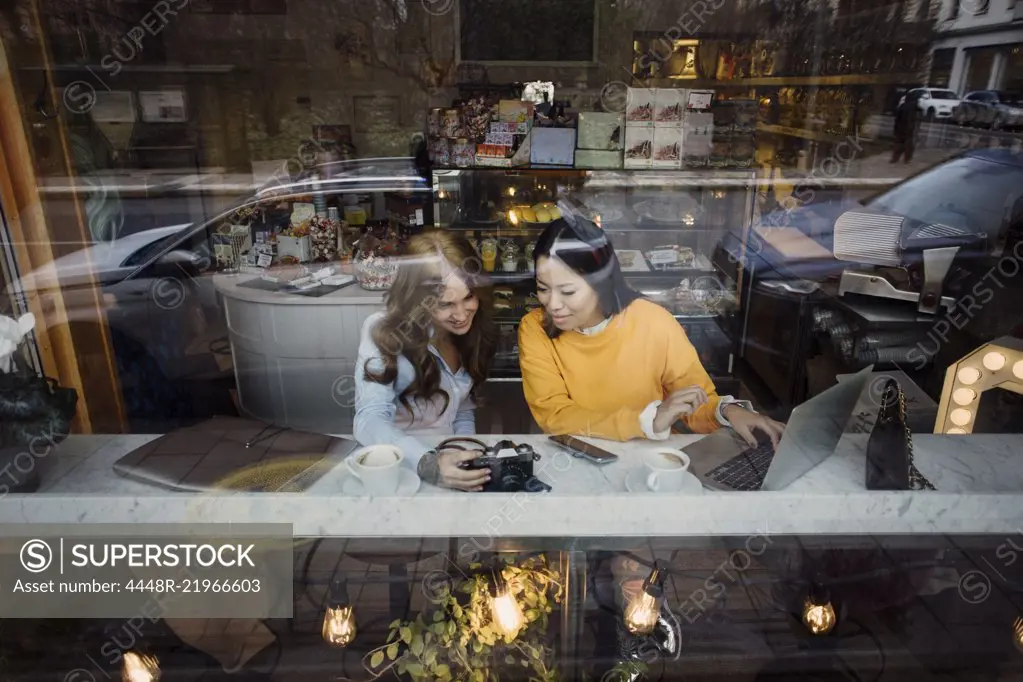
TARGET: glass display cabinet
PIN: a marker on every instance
(666, 227)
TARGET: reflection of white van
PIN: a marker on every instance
(936, 104)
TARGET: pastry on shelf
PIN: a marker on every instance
(671, 257)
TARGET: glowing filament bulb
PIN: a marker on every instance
(140, 668)
(641, 613)
(511, 191)
(1017, 369)
(1017, 633)
(963, 396)
(960, 417)
(819, 619)
(507, 613)
(339, 626)
(968, 375)
(513, 217)
(994, 361)
(442, 195)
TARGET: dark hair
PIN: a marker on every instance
(587, 251)
(405, 329)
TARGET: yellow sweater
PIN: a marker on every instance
(598, 385)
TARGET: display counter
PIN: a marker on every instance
(587, 502)
(294, 354)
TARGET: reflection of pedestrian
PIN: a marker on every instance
(907, 119)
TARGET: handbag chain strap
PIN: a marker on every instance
(917, 481)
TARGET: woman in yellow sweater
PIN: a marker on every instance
(599, 360)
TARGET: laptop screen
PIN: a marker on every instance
(813, 431)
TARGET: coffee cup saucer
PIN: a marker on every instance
(635, 482)
(408, 484)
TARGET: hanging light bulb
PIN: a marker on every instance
(513, 217)
(505, 611)
(818, 612)
(1017, 634)
(339, 619)
(644, 608)
(140, 668)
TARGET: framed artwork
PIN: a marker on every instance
(163, 106)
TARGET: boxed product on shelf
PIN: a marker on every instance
(698, 134)
(639, 110)
(669, 107)
(552, 146)
(592, 158)
(639, 147)
(735, 116)
(667, 148)
(516, 111)
(719, 151)
(746, 114)
(600, 131)
(742, 151)
(299, 248)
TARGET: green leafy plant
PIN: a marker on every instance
(457, 640)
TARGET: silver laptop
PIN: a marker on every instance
(724, 461)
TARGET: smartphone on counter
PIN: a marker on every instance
(581, 448)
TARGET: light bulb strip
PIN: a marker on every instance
(995, 364)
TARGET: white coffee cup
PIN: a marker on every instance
(666, 469)
(378, 467)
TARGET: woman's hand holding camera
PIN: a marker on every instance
(681, 403)
(445, 468)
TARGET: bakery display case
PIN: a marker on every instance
(666, 226)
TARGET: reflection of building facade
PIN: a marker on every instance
(979, 46)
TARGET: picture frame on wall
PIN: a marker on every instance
(163, 106)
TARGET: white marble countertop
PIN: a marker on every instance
(352, 294)
(79, 486)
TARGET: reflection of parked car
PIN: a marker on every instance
(935, 104)
(160, 307)
(979, 193)
(993, 109)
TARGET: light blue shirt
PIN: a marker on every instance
(380, 419)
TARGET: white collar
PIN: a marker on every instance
(595, 329)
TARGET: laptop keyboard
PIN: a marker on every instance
(745, 471)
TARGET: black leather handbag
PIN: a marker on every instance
(890, 447)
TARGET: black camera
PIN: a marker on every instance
(511, 465)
